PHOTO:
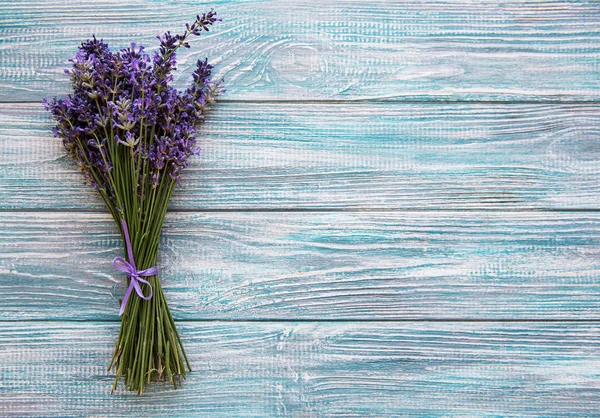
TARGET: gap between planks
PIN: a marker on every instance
(321, 210)
(333, 320)
(377, 101)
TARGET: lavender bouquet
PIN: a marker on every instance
(131, 135)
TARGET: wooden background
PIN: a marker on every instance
(396, 212)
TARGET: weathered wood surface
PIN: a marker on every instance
(367, 265)
(449, 213)
(393, 156)
(315, 369)
(302, 50)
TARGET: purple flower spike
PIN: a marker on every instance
(122, 102)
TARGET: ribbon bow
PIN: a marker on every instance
(132, 272)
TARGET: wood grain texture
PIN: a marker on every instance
(390, 156)
(351, 49)
(314, 370)
(308, 313)
(364, 265)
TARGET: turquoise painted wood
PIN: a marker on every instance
(344, 156)
(332, 49)
(316, 369)
(396, 212)
(314, 266)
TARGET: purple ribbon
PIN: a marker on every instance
(132, 272)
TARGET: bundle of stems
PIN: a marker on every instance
(148, 347)
(131, 134)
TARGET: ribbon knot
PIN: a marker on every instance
(135, 275)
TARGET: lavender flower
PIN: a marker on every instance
(123, 99)
(131, 134)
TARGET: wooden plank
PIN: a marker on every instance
(308, 369)
(350, 49)
(387, 156)
(367, 265)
